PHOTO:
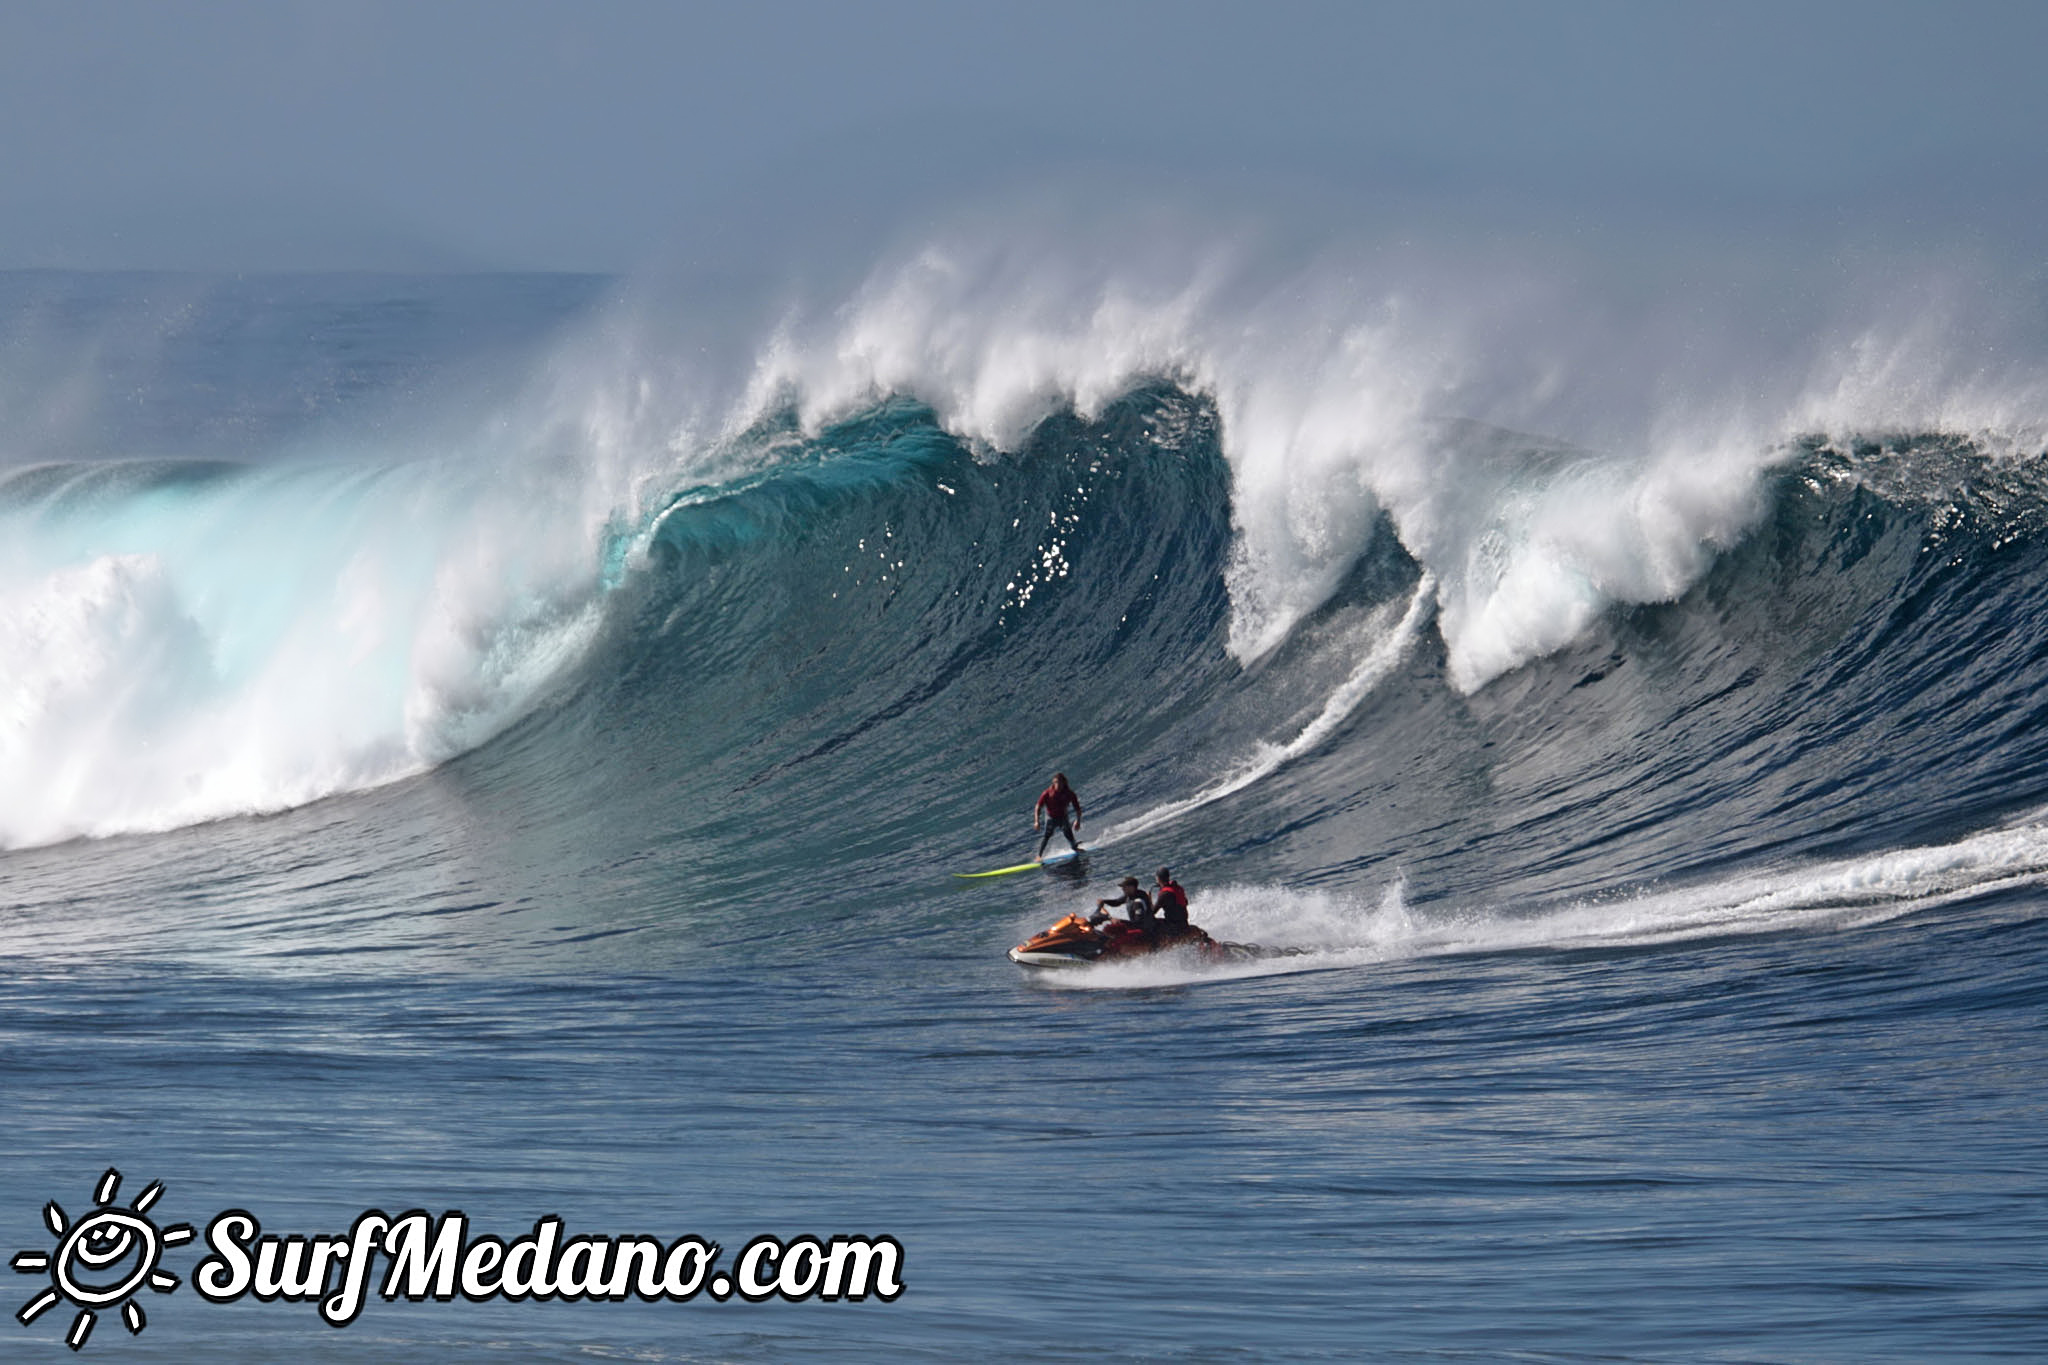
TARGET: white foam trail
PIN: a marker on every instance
(1386, 653)
(1335, 932)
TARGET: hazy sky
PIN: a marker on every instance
(600, 134)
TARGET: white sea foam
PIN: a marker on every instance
(254, 643)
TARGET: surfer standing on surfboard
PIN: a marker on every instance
(1055, 804)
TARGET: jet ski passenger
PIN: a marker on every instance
(1052, 809)
(1138, 905)
(1172, 903)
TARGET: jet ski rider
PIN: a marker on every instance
(1053, 806)
(1171, 902)
(1138, 906)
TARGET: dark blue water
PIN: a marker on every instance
(1675, 994)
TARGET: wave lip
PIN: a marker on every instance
(1350, 397)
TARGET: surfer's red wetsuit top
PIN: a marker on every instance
(1172, 903)
(1055, 800)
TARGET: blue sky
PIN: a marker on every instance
(598, 136)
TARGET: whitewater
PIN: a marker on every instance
(501, 743)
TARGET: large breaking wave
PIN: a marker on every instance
(1245, 540)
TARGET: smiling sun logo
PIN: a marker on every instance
(103, 1259)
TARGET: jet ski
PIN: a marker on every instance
(1078, 942)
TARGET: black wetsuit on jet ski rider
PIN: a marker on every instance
(1138, 905)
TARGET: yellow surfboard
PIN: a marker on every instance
(1053, 861)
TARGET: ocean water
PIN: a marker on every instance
(464, 745)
